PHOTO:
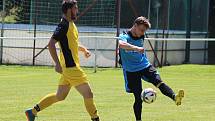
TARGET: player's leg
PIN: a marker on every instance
(153, 77)
(48, 100)
(134, 84)
(85, 91)
(137, 106)
(166, 90)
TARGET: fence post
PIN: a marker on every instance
(206, 36)
(211, 30)
(31, 12)
(188, 30)
(95, 51)
(149, 9)
(35, 31)
(118, 13)
(157, 7)
(2, 32)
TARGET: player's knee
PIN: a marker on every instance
(138, 102)
(60, 97)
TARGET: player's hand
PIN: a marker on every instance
(140, 49)
(58, 68)
(87, 54)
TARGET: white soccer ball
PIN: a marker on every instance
(148, 95)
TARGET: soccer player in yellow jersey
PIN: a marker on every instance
(66, 35)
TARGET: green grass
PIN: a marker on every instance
(21, 87)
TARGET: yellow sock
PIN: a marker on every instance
(91, 108)
(45, 102)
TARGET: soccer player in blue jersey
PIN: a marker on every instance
(68, 65)
(136, 66)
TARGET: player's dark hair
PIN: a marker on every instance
(142, 20)
(67, 4)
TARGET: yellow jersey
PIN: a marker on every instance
(66, 34)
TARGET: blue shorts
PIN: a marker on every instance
(133, 80)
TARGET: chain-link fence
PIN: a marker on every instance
(38, 18)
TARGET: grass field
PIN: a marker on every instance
(21, 87)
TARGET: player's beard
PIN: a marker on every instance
(73, 17)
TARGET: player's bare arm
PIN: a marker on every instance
(127, 46)
(53, 53)
(83, 49)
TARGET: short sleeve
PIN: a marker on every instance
(60, 32)
(122, 37)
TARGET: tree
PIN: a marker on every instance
(13, 10)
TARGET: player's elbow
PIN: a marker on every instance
(121, 44)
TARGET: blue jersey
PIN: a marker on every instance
(132, 60)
